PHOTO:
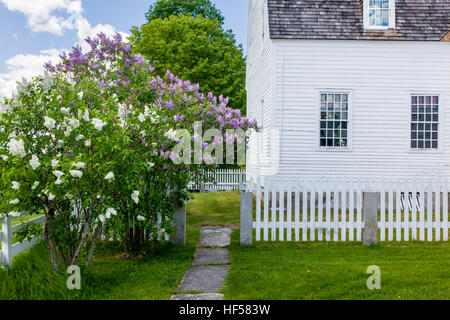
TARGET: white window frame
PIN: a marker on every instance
(391, 16)
(348, 148)
(440, 122)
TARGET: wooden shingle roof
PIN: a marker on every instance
(343, 19)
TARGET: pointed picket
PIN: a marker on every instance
(297, 212)
(258, 209)
(351, 211)
(266, 209)
(429, 224)
(305, 212)
(289, 211)
(445, 210)
(312, 212)
(328, 212)
(281, 210)
(273, 230)
(320, 211)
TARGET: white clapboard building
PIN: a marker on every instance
(349, 88)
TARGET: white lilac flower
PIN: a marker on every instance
(14, 214)
(110, 211)
(86, 115)
(141, 117)
(51, 197)
(15, 185)
(76, 173)
(16, 147)
(65, 110)
(79, 137)
(98, 196)
(58, 173)
(15, 201)
(87, 143)
(74, 123)
(102, 218)
(49, 123)
(55, 163)
(171, 134)
(4, 158)
(143, 134)
(35, 185)
(109, 176)
(98, 124)
(135, 196)
(59, 181)
(154, 118)
(59, 143)
(79, 165)
(151, 164)
(140, 218)
(68, 131)
(80, 95)
(59, 98)
(34, 162)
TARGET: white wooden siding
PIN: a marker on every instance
(259, 86)
(381, 75)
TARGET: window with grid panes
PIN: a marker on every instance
(379, 11)
(424, 122)
(334, 110)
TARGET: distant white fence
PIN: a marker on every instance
(219, 180)
(332, 210)
(10, 250)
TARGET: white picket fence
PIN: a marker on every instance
(331, 210)
(220, 180)
(10, 250)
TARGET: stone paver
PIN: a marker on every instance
(207, 279)
(201, 296)
(215, 237)
(209, 268)
(211, 256)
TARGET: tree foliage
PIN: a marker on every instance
(197, 49)
(165, 8)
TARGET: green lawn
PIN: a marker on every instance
(297, 270)
(214, 209)
(154, 276)
(337, 271)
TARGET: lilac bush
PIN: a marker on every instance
(91, 146)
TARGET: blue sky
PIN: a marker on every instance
(35, 31)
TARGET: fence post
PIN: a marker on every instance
(202, 186)
(370, 214)
(246, 224)
(180, 225)
(6, 242)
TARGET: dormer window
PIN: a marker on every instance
(379, 14)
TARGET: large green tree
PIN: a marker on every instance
(197, 49)
(166, 8)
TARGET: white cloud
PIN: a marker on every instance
(42, 14)
(24, 66)
(47, 16)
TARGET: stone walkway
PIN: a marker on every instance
(210, 266)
